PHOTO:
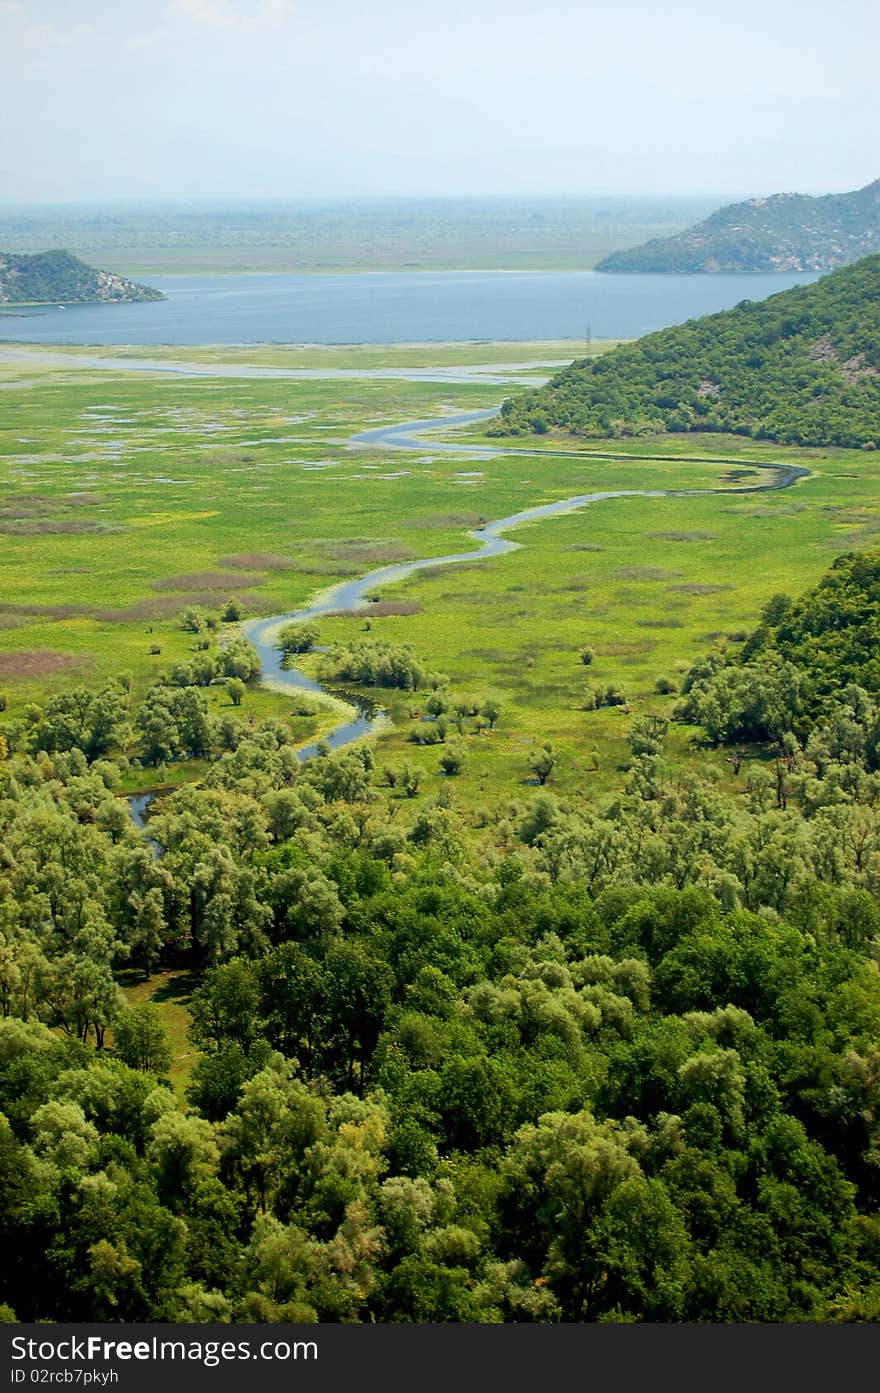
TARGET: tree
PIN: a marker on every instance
(80, 719)
(646, 735)
(287, 811)
(62, 1134)
(141, 1039)
(294, 992)
(225, 1008)
(376, 663)
(275, 1122)
(183, 1152)
(173, 721)
(81, 990)
(235, 690)
(640, 1253)
(490, 711)
(542, 762)
(307, 905)
(359, 985)
(477, 1100)
(560, 1174)
(148, 928)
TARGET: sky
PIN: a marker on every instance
(253, 99)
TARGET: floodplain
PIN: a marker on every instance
(128, 496)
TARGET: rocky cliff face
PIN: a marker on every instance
(57, 277)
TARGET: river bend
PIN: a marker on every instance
(352, 595)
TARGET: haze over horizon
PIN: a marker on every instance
(279, 99)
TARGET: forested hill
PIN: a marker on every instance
(809, 674)
(802, 367)
(788, 232)
(57, 277)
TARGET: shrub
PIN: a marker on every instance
(297, 638)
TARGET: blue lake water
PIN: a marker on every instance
(396, 308)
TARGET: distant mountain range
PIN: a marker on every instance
(788, 232)
(802, 367)
(57, 277)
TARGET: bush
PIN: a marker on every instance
(193, 620)
(297, 638)
(376, 663)
(452, 759)
(238, 659)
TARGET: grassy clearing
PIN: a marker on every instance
(123, 499)
(171, 992)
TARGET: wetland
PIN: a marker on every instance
(594, 897)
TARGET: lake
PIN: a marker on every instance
(390, 307)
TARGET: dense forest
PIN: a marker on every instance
(57, 277)
(797, 663)
(605, 1059)
(801, 368)
(788, 232)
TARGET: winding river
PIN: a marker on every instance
(351, 595)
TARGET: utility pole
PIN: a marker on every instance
(589, 336)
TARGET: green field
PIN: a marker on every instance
(369, 235)
(127, 497)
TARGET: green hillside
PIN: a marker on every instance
(810, 670)
(802, 367)
(788, 232)
(57, 277)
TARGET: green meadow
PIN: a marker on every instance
(125, 498)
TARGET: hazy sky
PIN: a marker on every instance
(290, 98)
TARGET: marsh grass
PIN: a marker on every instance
(643, 581)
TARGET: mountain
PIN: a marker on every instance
(802, 367)
(57, 277)
(788, 232)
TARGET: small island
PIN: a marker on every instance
(788, 232)
(59, 278)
